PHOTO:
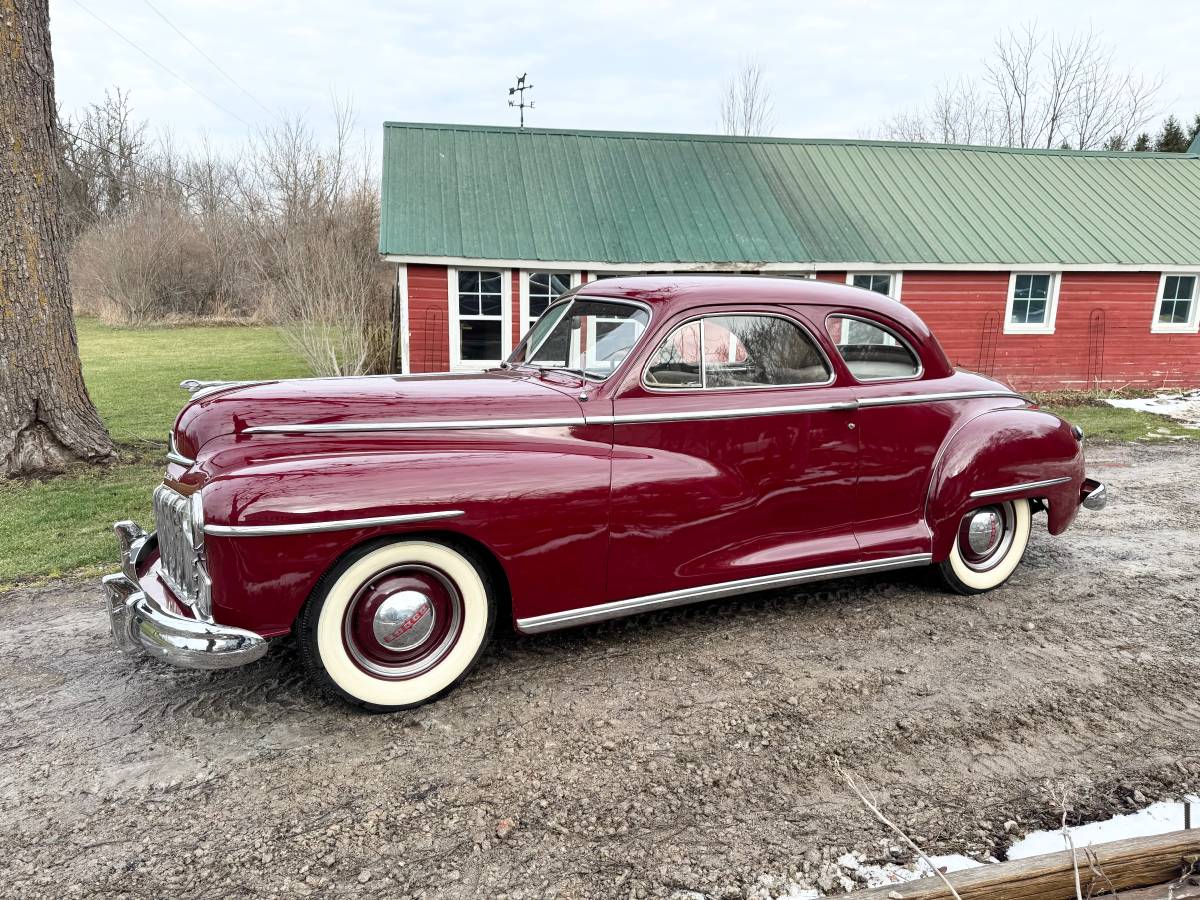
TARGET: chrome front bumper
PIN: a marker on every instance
(141, 625)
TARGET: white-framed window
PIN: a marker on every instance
(1176, 309)
(886, 283)
(1032, 303)
(539, 290)
(480, 317)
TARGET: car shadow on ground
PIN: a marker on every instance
(278, 684)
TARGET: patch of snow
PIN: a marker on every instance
(856, 873)
(1157, 818)
(1183, 408)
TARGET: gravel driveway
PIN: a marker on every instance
(690, 750)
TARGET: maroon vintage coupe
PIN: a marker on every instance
(653, 441)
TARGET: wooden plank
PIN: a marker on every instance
(1172, 890)
(1132, 863)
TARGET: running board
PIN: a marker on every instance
(618, 608)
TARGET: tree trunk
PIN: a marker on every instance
(46, 417)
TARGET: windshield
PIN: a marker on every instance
(588, 336)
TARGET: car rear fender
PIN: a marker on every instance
(1004, 454)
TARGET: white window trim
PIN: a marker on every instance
(1192, 326)
(1046, 327)
(897, 280)
(457, 364)
(405, 333)
(523, 300)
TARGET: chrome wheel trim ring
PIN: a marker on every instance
(999, 547)
(434, 653)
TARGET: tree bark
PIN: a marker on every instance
(47, 419)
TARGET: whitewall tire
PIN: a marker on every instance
(988, 546)
(397, 624)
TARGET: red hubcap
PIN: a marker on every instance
(402, 622)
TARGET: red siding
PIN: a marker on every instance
(1101, 337)
(1102, 332)
(428, 319)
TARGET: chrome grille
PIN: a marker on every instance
(181, 549)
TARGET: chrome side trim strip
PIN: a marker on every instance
(626, 419)
(334, 525)
(618, 608)
(1027, 486)
(927, 398)
(449, 425)
(746, 412)
(174, 455)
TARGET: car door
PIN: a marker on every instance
(899, 434)
(734, 457)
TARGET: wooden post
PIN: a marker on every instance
(1119, 865)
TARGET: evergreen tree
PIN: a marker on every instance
(1195, 130)
(1142, 144)
(1116, 142)
(1172, 138)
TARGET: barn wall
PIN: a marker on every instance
(428, 319)
(1102, 332)
(1101, 338)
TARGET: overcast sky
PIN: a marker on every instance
(835, 69)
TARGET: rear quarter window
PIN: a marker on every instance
(871, 351)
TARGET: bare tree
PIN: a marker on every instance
(1038, 92)
(104, 156)
(315, 211)
(746, 107)
(46, 417)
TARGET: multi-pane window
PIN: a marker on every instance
(1031, 300)
(1177, 305)
(480, 315)
(544, 288)
(879, 282)
(737, 351)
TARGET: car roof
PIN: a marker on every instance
(672, 292)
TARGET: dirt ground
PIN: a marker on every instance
(688, 751)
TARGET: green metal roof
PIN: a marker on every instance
(487, 193)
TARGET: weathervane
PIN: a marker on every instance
(520, 90)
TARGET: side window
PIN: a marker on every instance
(676, 363)
(737, 351)
(871, 352)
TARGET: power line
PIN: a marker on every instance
(211, 61)
(162, 66)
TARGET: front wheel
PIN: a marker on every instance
(988, 547)
(396, 625)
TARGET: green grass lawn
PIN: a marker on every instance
(1107, 423)
(133, 374)
(64, 524)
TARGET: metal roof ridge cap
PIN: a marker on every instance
(818, 141)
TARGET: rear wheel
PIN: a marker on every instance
(988, 546)
(396, 625)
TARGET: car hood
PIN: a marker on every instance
(365, 400)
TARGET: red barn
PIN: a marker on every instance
(1047, 268)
